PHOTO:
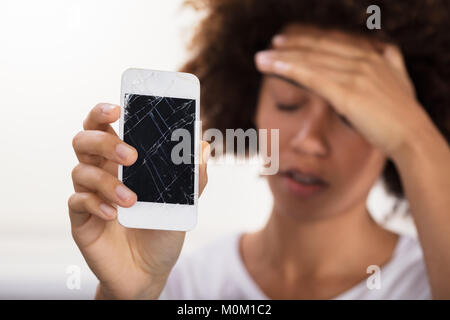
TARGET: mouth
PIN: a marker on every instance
(303, 184)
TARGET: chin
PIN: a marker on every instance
(302, 204)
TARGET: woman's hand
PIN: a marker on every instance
(130, 263)
(365, 82)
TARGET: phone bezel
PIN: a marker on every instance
(152, 215)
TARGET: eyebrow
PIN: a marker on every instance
(291, 81)
(295, 83)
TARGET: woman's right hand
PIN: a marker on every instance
(129, 263)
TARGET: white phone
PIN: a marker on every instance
(160, 114)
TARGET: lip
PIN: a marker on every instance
(301, 189)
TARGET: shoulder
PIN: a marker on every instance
(406, 275)
(403, 277)
(408, 263)
(207, 272)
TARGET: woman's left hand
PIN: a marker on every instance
(365, 82)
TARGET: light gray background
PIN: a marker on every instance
(58, 59)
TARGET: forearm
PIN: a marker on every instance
(424, 167)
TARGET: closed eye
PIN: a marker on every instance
(288, 107)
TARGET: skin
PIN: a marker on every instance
(314, 137)
(352, 92)
(130, 263)
(367, 84)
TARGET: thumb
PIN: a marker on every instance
(203, 174)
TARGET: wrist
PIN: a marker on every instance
(422, 141)
(149, 291)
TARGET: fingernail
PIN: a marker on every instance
(264, 59)
(278, 39)
(123, 151)
(107, 108)
(107, 210)
(281, 66)
(123, 192)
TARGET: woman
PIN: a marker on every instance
(351, 104)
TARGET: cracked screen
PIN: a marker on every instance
(149, 122)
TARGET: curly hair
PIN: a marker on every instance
(232, 31)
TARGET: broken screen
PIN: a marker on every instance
(149, 122)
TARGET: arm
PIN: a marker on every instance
(372, 89)
(423, 163)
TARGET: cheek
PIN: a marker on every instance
(358, 164)
(265, 117)
(268, 118)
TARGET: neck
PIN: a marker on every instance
(344, 244)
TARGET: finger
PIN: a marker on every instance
(104, 184)
(101, 116)
(91, 144)
(203, 174)
(205, 150)
(288, 64)
(395, 58)
(323, 81)
(84, 204)
(333, 42)
(318, 58)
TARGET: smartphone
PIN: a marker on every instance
(160, 118)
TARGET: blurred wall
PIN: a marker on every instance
(57, 60)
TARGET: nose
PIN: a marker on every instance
(310, 136)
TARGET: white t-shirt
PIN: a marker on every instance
(217, 272)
